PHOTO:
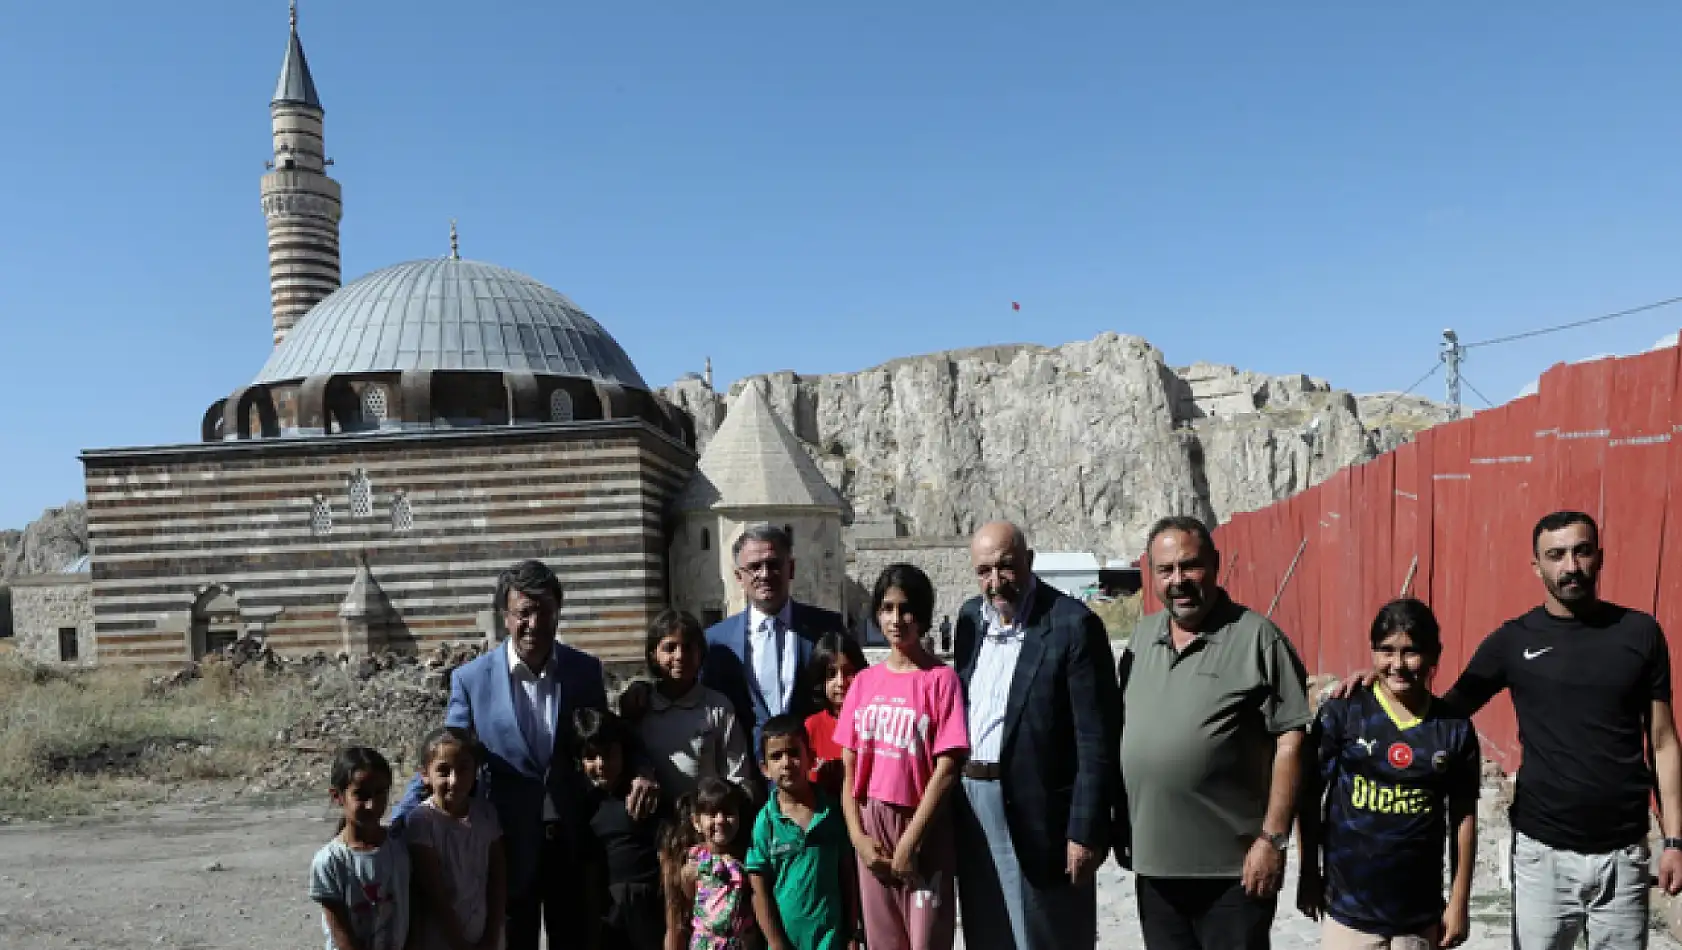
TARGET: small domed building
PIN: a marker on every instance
(411, 434)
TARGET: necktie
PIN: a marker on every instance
(767, 666)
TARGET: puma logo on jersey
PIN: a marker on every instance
(1533, 654)
(1366, 744)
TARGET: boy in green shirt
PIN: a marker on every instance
(801, 859)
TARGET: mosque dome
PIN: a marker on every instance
(449, 314)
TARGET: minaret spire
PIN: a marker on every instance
(455, 242)
(301, 203)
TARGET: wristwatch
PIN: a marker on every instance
(1673, 844)
(1281, 841)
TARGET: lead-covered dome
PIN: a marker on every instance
(447, 314)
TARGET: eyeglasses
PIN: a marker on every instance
(768, 566)
(524, 613)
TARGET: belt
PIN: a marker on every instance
(553, 831)
(982, 771)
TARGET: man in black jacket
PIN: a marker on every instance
(1043, 710)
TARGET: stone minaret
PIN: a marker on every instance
(300, 201)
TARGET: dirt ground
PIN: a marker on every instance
(209, 874)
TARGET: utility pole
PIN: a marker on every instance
(1453, 353)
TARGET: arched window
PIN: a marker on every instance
(402, 516)
(361, 495)
(373, 405)
(321, 517)
(560, 406)
(706, 540)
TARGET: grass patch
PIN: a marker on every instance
(73, 739)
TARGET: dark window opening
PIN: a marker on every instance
(788, 529)
(215, 641)
(68, 647)
(706, 540)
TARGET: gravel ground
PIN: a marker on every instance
(223, 875)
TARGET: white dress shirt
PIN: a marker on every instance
(989, 684)
(763, 643)
(536, 698)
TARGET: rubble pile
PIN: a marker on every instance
(388, 701)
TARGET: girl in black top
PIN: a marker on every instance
(621, 854)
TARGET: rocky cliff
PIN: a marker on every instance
(50, 543)
(1083, 444)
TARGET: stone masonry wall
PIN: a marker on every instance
(42, 606)
(944, 559)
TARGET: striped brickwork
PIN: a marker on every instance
(180, 526)
(303, 207)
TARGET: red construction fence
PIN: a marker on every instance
(1448, 518)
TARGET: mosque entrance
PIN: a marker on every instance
(216, 621)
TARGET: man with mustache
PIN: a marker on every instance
(1591, 687)
(1041, 704)
(1210, 753)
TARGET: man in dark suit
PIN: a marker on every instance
(1044, 719)
(758, 657)
(519, 699)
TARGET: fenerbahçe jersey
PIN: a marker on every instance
(1389, 778)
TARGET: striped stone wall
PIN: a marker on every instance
(266, 536)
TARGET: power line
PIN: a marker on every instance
(1474, 390)
(1575, 323)
(1392, 403)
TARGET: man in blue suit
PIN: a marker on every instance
(758, 657)
(519, 699)
(1044, 718)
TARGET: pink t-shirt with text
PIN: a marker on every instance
(896, 724)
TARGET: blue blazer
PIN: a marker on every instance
(1062, 730)
(482, 699)
(724, 667)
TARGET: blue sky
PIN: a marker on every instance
(1310, 188)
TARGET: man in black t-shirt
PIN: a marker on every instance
(1591, 687)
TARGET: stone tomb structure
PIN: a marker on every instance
(52, 616)
(754, 471)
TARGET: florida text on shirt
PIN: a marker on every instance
(892, 724)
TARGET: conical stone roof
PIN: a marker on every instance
(365, 600)
(754, 461)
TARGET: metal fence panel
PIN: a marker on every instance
(1579, 412)
(1451, 483)
(1637, 474)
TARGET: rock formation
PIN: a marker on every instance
(50, 543)
(1083, 444)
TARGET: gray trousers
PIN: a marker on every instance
(1558, 895)
(1000, 909)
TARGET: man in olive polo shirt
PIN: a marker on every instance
(1210, 753)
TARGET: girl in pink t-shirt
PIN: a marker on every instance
(903, 741)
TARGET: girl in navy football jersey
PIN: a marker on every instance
(1395, 772)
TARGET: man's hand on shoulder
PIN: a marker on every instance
(1346, 688)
